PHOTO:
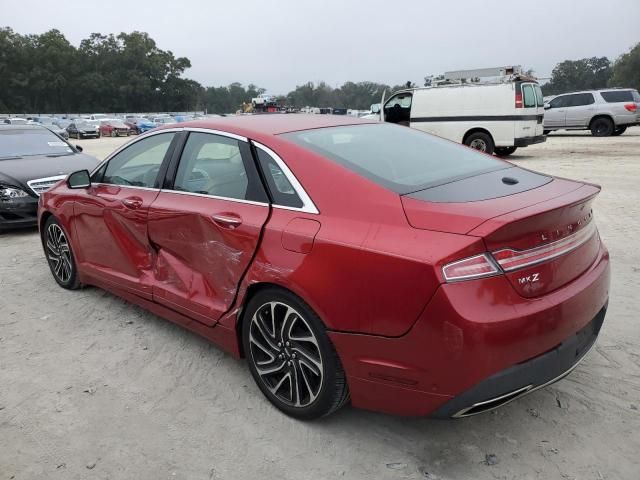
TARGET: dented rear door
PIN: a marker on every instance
(206, 227)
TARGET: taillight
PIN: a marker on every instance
(510, 259)
(632, 107)
(519, 100)
(469, 268)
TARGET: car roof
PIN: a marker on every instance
(29, 126)
(612, 89)
(253, 126)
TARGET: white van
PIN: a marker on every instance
(492, 117)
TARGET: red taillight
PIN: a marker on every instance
(518, 99)
(469, 268)
(510, 259)
(632, 107)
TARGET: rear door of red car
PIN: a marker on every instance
(205, 225)
(110, 217)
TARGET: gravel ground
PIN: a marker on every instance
(94, 388)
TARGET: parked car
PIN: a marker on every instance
(114, 128)
(16, 121)
(51, 124)
(140, 125)
(62, 122)
(351, 259)
(490, 117)
(604, 112)
(183, 118)
(32, 159)
(163, 120)
(83, 129)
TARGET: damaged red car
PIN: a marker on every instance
(346, 260)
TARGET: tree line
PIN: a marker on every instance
(129, 73)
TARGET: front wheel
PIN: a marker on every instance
(619, 131)
(291, 357)
(480, 141)
(602, 127)
(59, 255)
(505, 151)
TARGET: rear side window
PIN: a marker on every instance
(529, 96)
(401, 159)
(615, 96)
(280, 188)
(539, 95)
(580, 99)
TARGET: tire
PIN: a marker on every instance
(504, 151)
(546, 132)
(113, 133)
(59, 255)
(480, 141)
(274, 325)
(619, 131)
(601, 127)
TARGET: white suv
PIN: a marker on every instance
(604, 112)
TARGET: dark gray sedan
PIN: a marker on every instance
(32, 160)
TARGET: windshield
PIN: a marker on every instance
(31, 141)
(399, 158)
(85, 125)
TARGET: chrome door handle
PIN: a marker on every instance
(227, 220)
(132, 203)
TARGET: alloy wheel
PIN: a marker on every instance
(286, 354)
(58, 253)
(478, 144)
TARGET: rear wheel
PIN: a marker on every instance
(619, 131)
(505, 151)
(59, 255)
(291, 357)
(480, 141)
(602, 127)
(546, 132)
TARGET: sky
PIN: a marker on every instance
(280, 44)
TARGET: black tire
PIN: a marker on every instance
(601, 127)
(619, 131)
(281, 354)
(546, 132)
(59, 254)
(480, 141)
(504, 151)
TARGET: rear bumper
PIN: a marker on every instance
(525, 141)
(20, 213)
(469, 333)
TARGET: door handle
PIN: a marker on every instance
(132, 202)
(227, 220)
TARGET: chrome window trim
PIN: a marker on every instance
(307, 204)
(135, 187)
(215, 197)
(55, 178)
(217, 132)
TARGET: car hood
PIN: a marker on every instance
(20, 170)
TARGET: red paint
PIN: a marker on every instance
(369, 264)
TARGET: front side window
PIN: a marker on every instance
(138, 165)
(559, 102)
(212, 165)
(398, 109)
(403, 160)
(529, 96)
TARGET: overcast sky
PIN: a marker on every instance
(281, 44)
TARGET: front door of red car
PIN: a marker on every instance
(110, 217)
(206, 226)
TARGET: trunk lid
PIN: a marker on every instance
(542, 234)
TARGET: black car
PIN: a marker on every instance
(32, 160)
(83, 130)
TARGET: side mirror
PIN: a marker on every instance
(79, 148)
(375, 108)
(79, 179)
(547, 106)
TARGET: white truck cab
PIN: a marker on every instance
(498, 115)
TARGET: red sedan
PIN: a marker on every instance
(346, 260)
(114, 128)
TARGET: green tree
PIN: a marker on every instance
(584, 74)
(626, 70)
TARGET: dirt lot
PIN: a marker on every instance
(94, 388)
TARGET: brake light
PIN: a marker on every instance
(519, 100)
(632, 107)
(469, 268)
(510, 259)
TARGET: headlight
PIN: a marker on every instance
(8, 193)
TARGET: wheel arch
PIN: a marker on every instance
(602, 115)
(473, 130)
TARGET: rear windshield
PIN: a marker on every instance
(399, 158)
(32, 141)
(539, 96)
(620, 96)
